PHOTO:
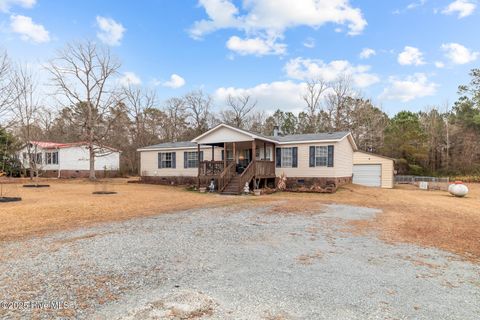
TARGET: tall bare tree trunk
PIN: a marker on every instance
(91, 152)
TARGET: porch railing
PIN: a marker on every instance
(264, 168)
(226, 176)
(211, 168)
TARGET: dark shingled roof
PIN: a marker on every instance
(288, 138)
(311, 137)
(166, 145)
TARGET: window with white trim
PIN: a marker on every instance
(287, 157)
(166, 160)
(192, 159)
(51, 157)
(321, 156)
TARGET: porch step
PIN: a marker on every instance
(233, 186)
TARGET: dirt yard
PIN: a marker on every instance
(428, 218)
(70, 204)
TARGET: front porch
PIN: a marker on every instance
(241, 162)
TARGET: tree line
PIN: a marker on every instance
(90, 105)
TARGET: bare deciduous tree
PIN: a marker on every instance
(26, 110)
(239, 110)
(83, 74)
(338, 107)
(198, 106)
(6, 90)
(176, 122)
(313, 97)
(137, 100)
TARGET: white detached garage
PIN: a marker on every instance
(372, 170)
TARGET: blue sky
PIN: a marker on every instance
(416, 52)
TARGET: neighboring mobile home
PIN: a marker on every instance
(69, 160)
(231, 157)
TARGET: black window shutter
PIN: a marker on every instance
(223, 155)
(294, 157)
(159, 160)
(185, 160)
(312, 157)
(174, 160)
(201, 155)
(330, 156)
(278, 157)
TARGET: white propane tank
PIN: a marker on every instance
(458, 189)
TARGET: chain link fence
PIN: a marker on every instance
(428, 183)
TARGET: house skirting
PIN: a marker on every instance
(320, 185)
(174, 180)
(66, 174)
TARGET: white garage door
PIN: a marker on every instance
(369, 175)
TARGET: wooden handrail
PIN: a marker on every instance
(226, 176)
(246, 175)
(211, 168)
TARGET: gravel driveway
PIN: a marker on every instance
(234, 263)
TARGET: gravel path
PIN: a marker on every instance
(234, 263)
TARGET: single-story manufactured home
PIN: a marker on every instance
(69, 160)
(232, 157)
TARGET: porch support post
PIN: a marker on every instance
(264, 151)
(254, 151)
(274, 154)
(235, 152)
(199, 164)
(224, 155)
(213, 152)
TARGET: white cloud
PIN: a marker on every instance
(175, 82)
(269, 19)
(309, 43)
(303, 69)
(409, 88)
(367, 53)
(410, 56)
(459, 54)
(111, 32)
(463, 8)
(416, 4)
(130, 78)
(255, 46)
(5, 5)
(285, 95)
(411, 6)
(29, 30)
(439, 64)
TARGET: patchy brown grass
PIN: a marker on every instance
(428, 218)
(71, 204)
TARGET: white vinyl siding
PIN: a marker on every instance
(343, 161)
(149, 162)
(75, 158)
